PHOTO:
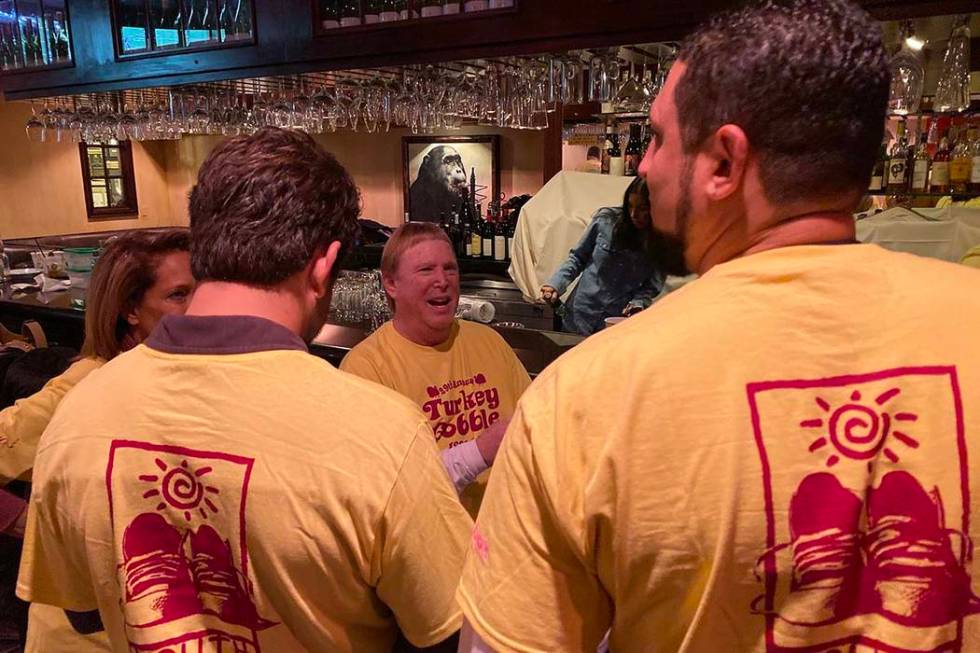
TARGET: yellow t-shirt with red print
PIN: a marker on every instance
(220, 489)
(463, 385)
(783, 456)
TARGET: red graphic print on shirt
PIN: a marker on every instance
(460, 409)
(178, 516)
(867, 502)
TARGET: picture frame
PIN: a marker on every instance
(444, 172)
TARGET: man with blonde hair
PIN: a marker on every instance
(463, 375)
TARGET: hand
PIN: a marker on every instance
(631, 310)
(489, 441)
(549, 294)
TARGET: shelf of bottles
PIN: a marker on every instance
(150, 26)
(336, 14)
(34, 34)
(934, 155)
(476, 235)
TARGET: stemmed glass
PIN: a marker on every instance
(953, 90)
(36, 131)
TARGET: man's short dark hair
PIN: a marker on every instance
(593, 153)
(265, 204)
(807, 80)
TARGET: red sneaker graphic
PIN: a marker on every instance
(220, 585)
(824, 526)
(158, 581)
(913, 575)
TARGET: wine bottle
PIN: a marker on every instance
(606, 146)
(878, 172)
(920, 168)
(486, 236)
(634, 151)
(898, 171)
(499, 241)
(458, 238)
(939, 182)
(617, 166)
(960, 163)
(975, 168)
(511, 230)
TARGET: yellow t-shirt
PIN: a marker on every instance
(780, 456)
(262, 500)
(22, 424)
(463, 386)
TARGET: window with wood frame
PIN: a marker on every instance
(107, 174)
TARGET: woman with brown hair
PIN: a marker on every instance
(139, 277)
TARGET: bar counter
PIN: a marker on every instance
(64, 325)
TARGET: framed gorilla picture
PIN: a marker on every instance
(436, 169)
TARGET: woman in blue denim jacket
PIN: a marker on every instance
(615, 274)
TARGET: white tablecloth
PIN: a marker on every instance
(553, 221)
(945, 233)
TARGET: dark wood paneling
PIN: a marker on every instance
(285, 43)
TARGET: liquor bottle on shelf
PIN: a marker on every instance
(939, 182)
(329, 14)
(898, 163)
(878, 172)
(617, 166)
(511, 230)
(372, 11)
(430, 8)
(920, 168)
(634, 151)
(975, 169)
(960, 163)
(470, 6)
(450, 7)
(499, 241)
(350, 13)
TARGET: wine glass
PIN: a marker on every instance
(908, 75)
(953, 90)
(35, 127)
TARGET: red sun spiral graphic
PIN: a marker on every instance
(860, 430)
(181, 488)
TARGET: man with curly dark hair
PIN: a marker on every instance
(776, 457)
(219, 488)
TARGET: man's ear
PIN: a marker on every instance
(728, 152)
(322, 270)
(389, 285)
